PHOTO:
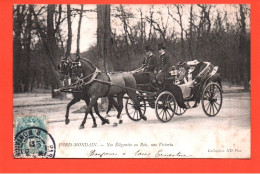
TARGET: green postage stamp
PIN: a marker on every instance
(31, 139)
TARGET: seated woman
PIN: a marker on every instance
(190, 80)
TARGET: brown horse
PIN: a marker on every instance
(65, 71)
(96, 84)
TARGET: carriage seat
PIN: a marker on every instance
(206, 71)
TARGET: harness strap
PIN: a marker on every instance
(93, 77)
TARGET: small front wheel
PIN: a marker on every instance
(165, 106)
(131, 110)
(179, 111)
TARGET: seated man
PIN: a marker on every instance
(150, 61)
(163, 64)
(190, 80)
(144, 74)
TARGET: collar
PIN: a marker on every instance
(162, 54)
(150, 55)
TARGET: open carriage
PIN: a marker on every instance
(168, 99)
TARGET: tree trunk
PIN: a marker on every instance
(17, 48)
(78, 36)
(67, 54)
(191, 31)
(49, 42)
(243, 46)
(104, 36)
(28, 50)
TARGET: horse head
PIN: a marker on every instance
(64, 68)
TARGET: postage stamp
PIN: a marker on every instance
(31, 139)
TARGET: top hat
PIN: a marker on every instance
(148, 48)
(161, 46)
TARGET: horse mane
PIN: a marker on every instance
(88, 62)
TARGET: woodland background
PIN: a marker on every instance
(42, 35)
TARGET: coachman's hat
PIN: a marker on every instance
(161, 46)
(148, 48)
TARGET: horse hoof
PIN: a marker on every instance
(94, 126)
(144, 118)
(67, 121)
(115, 125)
(120, 121)
(106, 121)
(81, 127)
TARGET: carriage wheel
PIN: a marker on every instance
(179, 111)
(212, 99)
(165, 106)
(131, 109)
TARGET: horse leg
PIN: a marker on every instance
(91, 104)
(132, 95)
(104, 121)
(72, 102)
(87, 100)
(111, 102)
(120, 108)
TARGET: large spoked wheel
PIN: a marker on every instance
(131, 109)
(179, 111)
(212, 99)
(165, 106)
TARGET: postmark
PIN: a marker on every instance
(34, 142)
(31, 139)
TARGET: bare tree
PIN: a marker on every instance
(104, 36)
(243, 44)
(79, 27)
(179, 21)
(49, 41)
(67, 54)
(28, 50)
(20, 13)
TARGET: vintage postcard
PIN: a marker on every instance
(131, 81)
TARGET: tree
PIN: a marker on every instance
(49, 42)
(243, 46)
(179, 21)
(19, 15)
(69, 40)
(104, 36)
(78, 36)
(28, 50)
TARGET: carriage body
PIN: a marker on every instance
(168, 99)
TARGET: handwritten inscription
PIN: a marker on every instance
(119, 149)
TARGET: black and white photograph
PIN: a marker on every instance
(131, 81)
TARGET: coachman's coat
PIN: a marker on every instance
(149, 63)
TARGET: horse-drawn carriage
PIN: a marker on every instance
(167, 98)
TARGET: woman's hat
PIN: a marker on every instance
(181, 63)
(193, 63)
